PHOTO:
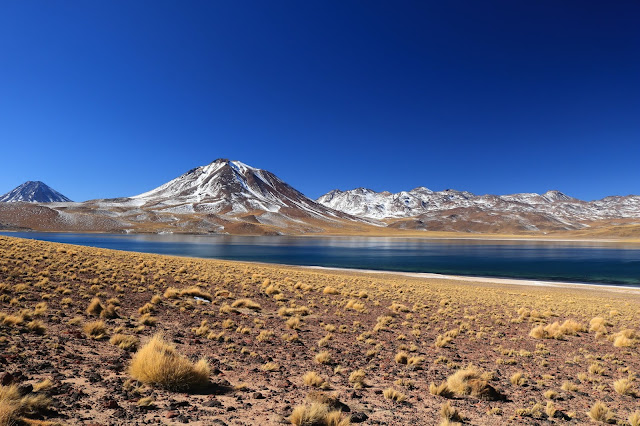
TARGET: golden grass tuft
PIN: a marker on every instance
(111, 311)
(323, 357)
(599, 412)
(402, 357)
(246, 303)
(624, 387)
(356, 378)
(317, 414)
(13, 405)
(146, 402)
(598, 324)
(196, 292)
(270, 366)
(289, 312)
(470, 381)
(634, 418)
(123, 341)
(96, 330)
(147, 319)
(625, 338)
(556, 330)
(37, 327)
(550, 409)
(518, 379)
(311, 378)
(12, 320)
(394, 395)
(449, 413)
(172, 293)
(95, 307)
(440, 390)
(44, 385)
(158, 363)
(293, 323)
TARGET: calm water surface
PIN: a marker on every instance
(604, 263)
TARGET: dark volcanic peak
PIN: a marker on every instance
(34, 192)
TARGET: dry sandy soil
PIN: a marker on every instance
(490, 353)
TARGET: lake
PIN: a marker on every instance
(586, 262)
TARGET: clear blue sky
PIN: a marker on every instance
(112, 98)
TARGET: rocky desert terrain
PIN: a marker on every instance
(98, 337)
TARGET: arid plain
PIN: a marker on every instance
(93, 336)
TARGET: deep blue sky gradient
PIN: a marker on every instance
(112, 98)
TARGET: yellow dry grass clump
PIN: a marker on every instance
(625, 338)
(123, 341)
(556, 330)
(14, 406)
(158, 363)
(599, 412)
(311, 378)
(391, 393)
(246, 303)
(470, 381)
(318, 414)
(95, 330)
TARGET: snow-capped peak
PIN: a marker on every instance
(34, 192)
(225, 186)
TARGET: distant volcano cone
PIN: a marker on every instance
(34, 192)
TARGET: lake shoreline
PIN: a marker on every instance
(482, 279)
(435, 236)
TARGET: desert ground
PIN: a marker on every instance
(100, 337)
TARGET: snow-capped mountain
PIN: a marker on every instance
(528, 211)
(232, 187)
(34, 192)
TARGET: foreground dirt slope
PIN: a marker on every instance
(398, 334)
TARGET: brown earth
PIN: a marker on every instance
(404, 333)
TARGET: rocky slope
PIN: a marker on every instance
(33, 192)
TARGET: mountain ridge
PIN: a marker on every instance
(450, 209)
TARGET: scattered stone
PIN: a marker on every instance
(111, 404)
(358, 417)
(6, 379)
(212, 403)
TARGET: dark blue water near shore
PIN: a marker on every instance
(603, 263)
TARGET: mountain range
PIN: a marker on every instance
(234, 198)
(452, 210)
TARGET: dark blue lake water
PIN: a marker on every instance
(604, 263)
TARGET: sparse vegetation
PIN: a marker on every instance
(374, 338)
